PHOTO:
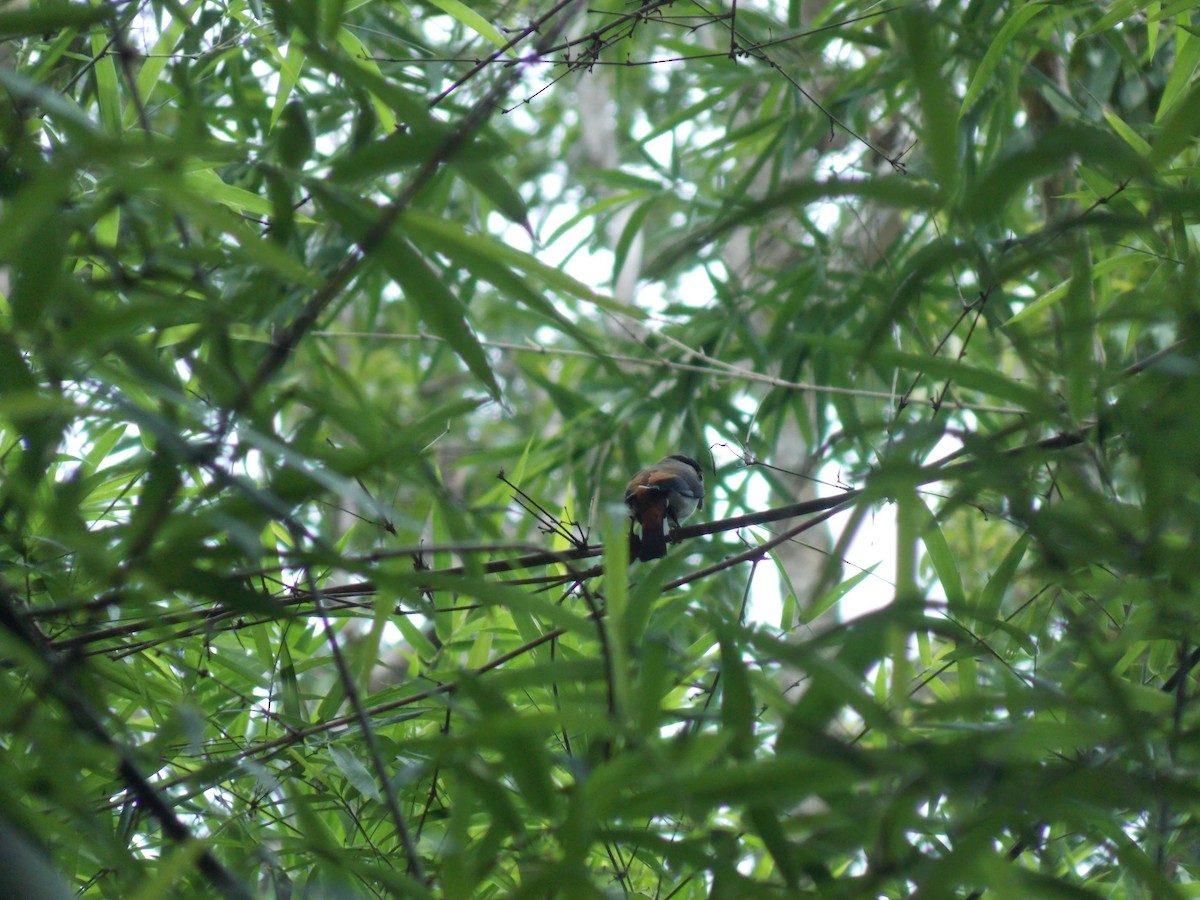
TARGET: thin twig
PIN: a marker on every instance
(415, 867)
(61, 683)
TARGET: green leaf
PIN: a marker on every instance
(63, 108)
(490, 260)
(982, 78)
(1131, 137)
(472, 20)
(488, 180)
(421, 646)
(943, 560)
(993, 592)
(768, 826)
(149, 77)
(27, 869)
(1179, 83)
(435, 229)
(107, 95)
(939, 134)
(1103, 269)
(1010, 176)
(392, 152)
(289, 688)
(47, 18)
(360, 54)
(441, 310)
(354, 771)
(633, 226)
(290, 67)
(295, 136)
(1078, 338)
(208, 184)
(988, 381)
(1178, 127)
(737, 700)
(1116, 13)
(826, 602)
(439, 307)
(164, 478)
(210, 202)
(231, 592)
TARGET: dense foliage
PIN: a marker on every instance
(287, 286)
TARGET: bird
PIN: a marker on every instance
(668, 491)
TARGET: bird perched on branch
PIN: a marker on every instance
(667, 492)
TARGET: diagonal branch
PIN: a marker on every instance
(62, 685)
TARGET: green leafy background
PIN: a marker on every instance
(286, 286)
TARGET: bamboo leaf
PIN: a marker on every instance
(1000, 44)
(354, 771)
(472, 20)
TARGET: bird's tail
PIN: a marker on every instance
(653, 543)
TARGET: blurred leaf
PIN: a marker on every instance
(295, 137)
(47, 18)
(939, 134)
(155, 62)
(26, 870)
(1131, 137)
(1177, 126)
(227, 591)
(996, 587)
(354, 771)
(1179, 87)
(737, 712)
(827, 601)
(999, 46)
(64, 109)
(1078, 338)
(360, 54)
(944, 563)
(471, 20)
(291, 64)
(1103, 269)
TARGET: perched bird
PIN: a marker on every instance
(668, 491)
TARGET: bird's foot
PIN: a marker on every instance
(673, 532)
